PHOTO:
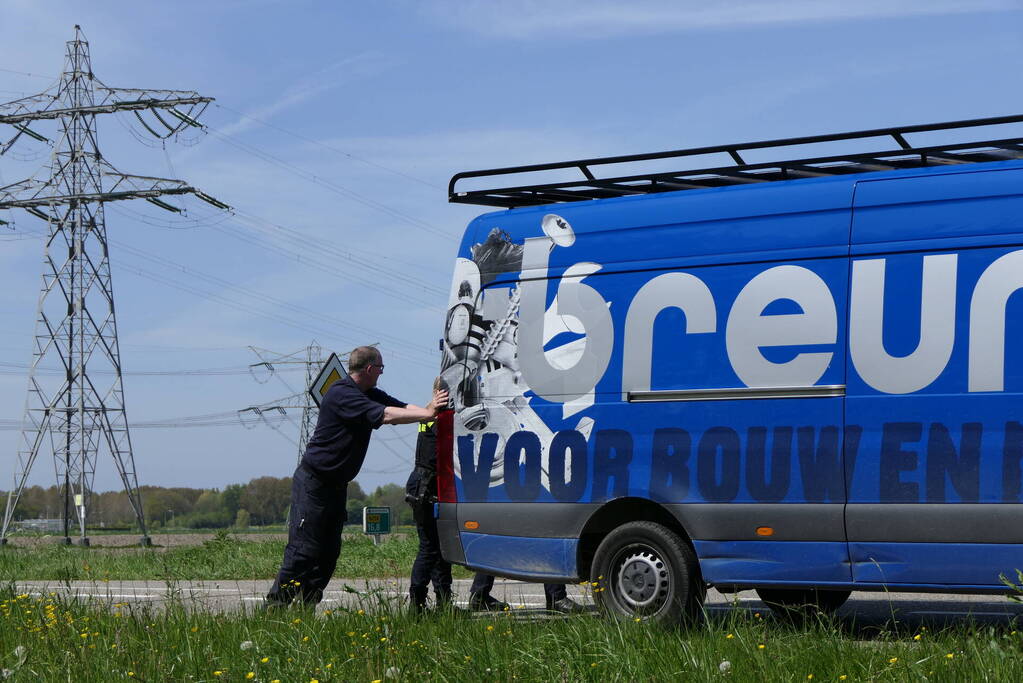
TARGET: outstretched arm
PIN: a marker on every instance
(413, 413)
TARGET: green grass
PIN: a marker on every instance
(223, 557)
(82, 642)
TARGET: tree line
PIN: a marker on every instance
(263, 501)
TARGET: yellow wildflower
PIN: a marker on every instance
(917, 637)
(250, 675)
(893, 660)
(949, 656)
(490, 627)
(264, 660)
(729, 636)
(761, 646)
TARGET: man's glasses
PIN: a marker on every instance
(377, 365)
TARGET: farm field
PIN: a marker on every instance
(192, 557)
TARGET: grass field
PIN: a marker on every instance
(42, 638)
(222, 557)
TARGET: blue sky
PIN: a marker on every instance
(337, 126)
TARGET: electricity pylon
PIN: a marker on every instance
(313, 361)
(81, 411)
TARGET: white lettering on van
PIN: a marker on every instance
(903, 374)
(683, 291)
(748, 329)
(575, 300)
(987, 321)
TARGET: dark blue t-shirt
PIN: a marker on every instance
(347, 418)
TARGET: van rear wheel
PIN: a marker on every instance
(798, 603)
(645, 570)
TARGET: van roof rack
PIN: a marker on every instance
(905, 155)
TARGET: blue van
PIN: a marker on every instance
(793, 376)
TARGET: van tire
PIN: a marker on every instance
(798, 603)
(647, 571)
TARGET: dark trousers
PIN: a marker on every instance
(314, 539)
(429, 565)
(482, 584)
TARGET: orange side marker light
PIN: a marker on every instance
(765, 531)
(472, 525)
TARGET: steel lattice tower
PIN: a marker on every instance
(76, 414)
(313, 362)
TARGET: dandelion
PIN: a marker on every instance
(593, 664)
(725, 666)
(131, 674)
(218, 673)
(917, 637)
(296, 620)
(637, 620)
(490, 627)
(264, 660)
(305, 639)
(246, 645)
(809, 677)
(729, 636)
(361, 612)
(761, 646)
(949, 656)
(842, 677)
(195, 629)
(383, 639)
(893, 660)
(249, 676)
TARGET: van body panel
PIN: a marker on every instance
(757, 562)
(936, 437)
(551, 559)
(967, 564)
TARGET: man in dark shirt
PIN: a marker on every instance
(351, 409)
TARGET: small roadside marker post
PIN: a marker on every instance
(376, 521)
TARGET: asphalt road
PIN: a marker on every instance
(864, 611)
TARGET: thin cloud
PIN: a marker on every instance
(312, 86)
(587, 19)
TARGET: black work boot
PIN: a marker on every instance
(417, 600)
(487, 603)
(565, 605)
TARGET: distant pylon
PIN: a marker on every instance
(81, 410)
(312, 358)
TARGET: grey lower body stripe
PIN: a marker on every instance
(864, 523)
(935, 523)
(738, 393)
(739, 521)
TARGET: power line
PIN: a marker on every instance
(331, 148)
(330, 185)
